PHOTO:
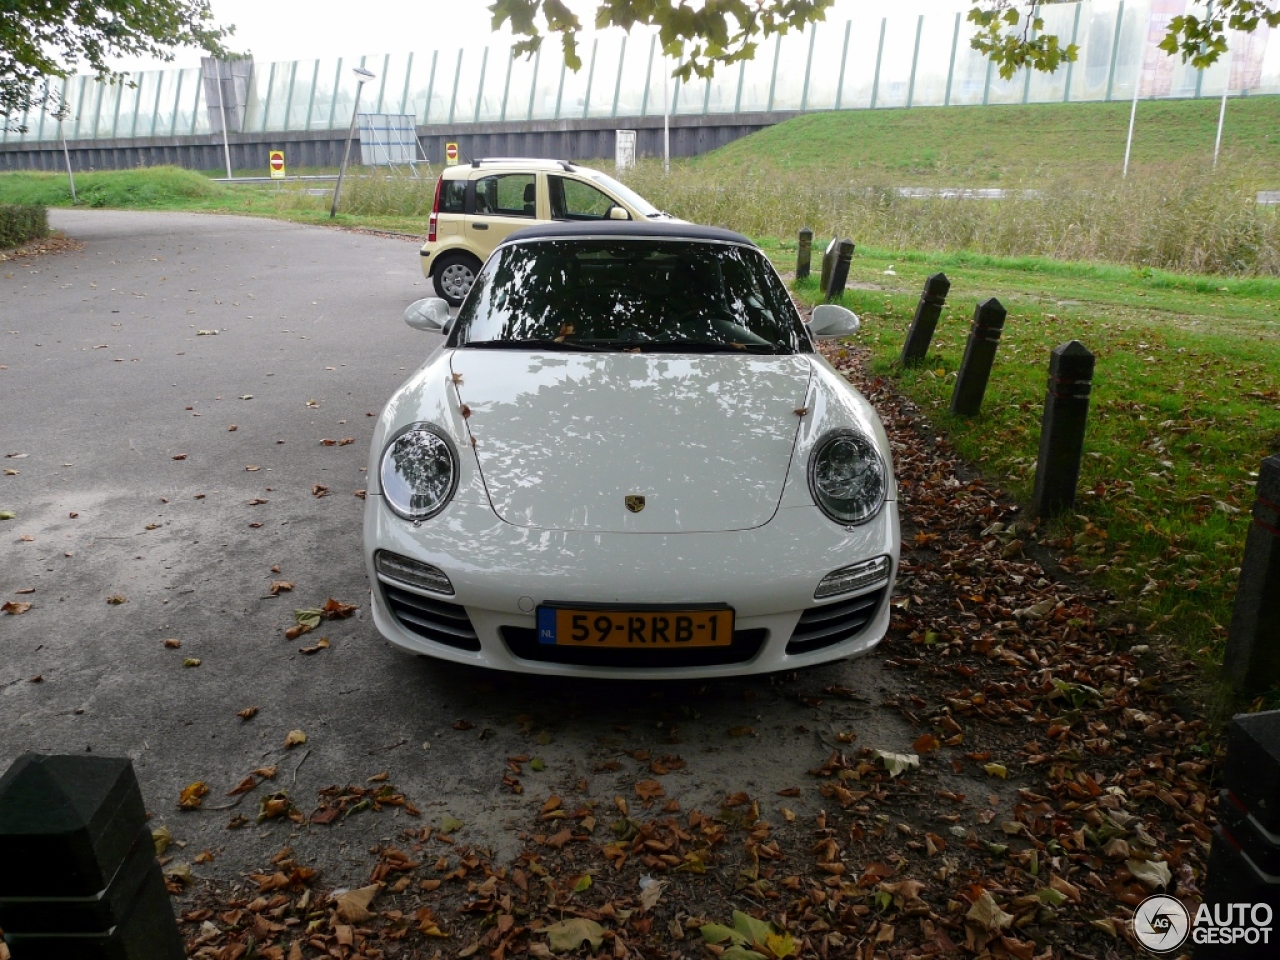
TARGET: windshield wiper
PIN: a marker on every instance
(697, 346)
(530, 344)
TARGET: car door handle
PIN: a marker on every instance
(480, 226)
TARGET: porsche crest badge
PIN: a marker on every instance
(634, 502)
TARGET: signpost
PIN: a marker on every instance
(277, 164)
(450, 154)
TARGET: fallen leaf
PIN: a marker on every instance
(248, 713)
(896, 763)
(648, 790)
(1153, 874)
(296, 738)
(190, 797)
(926, 743)
(996, 770)
(650, 893)
(161, 837)
(115, 600)
(321, 644)
(568, 935)
(8, 515)
(279, 586)
(337, 610)
(450, 825)
(13, 608)
(353, 905)
(191, 662)
(245, 785)
(986, 913)
(742, 731)
(319, 490)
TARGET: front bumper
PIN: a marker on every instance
(501, 572)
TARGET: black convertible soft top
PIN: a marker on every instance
(624, 229)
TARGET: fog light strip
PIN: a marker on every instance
(855, 577)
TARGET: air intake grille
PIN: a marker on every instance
(432, 619)
(523, 643)
(834, 623)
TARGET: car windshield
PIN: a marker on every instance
(630, 294)
(639, 203)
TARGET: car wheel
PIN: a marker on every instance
(454, 274)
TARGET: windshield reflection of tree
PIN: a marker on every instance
(633, 292)
(423, 467)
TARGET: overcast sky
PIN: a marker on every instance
(297, 30)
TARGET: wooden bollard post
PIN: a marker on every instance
(1244, 858)
(804, 253)
(1252, 660)
(1066, 410)
(828, 263)
(979, 356)
(80, 877)
(932, 299)
(840, 271)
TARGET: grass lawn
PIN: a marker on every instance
(1185, 405)
(1012, 145)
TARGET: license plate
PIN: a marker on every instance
(635, 628)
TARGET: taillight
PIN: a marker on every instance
(434, 221)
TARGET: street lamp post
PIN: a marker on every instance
(362, 75)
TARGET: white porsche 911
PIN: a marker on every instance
(626, 459)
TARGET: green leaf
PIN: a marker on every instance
(583, 884)
(780, 945)
(719, 933)
(450, 825)
(1052, 897)
(741, 953)
(755, 931)
(569, 935)
(537, 764)
(8, 515)
(310, 617)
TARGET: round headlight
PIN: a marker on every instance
(419, 472)
(847, 477)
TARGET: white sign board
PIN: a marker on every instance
(624, 149)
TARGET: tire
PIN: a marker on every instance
(453, 276)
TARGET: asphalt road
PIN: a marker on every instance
(117, 414)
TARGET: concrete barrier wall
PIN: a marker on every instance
(560, 139)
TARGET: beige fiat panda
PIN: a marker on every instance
(479, 203)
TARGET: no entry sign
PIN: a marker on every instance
(450, 154)
(277, 164)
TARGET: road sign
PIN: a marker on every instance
(277, 164)
(450, 154)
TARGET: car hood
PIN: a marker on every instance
(563, 439)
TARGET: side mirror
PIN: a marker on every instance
(430, 314)
(618, 213)
(830, 321)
